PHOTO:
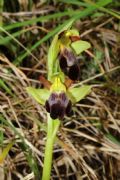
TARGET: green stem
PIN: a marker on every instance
(53, 126)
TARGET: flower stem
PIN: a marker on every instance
(53, 126)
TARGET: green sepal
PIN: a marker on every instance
(67, 26)
(40, 95)
(80, 46)
(78, 93)
(52, 56)
(74, 32)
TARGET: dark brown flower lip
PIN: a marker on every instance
(69, 56)
(58, 105)
(74, 72)
(69, 64)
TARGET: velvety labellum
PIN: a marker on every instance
(69, 64)
(58, 105)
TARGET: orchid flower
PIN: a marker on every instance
(58, 95)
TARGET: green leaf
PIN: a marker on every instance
(78, 93)
(52, 56)
(80, 46)
(40, 95)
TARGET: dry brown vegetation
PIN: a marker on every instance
(88, 142)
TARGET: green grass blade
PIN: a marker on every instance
(5, 87)
(75, 2)
(112, 138)
(81, 14)
(30, 158)
(1, 10)
(40, 19)
(102, 8)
